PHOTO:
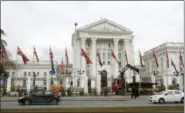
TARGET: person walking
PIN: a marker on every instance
(133, 92)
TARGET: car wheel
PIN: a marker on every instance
(182, 100)
(27, 102)
(54, 102)
(161, 101)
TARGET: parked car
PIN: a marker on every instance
(167, 96)
(40, 97)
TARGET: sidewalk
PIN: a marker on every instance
(84, 98)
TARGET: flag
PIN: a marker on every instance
(52, 72)
(99, 59)
(181, 61)
(126, 56)
(154, 55)
(88, 61)
(66, 54)
(24, 58)
(113, 55)
(35, 53)
(2, 55)
(167, 60)
(172, 63)
(141, 59)
(62, 66)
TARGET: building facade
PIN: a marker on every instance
(163, 74)
(102, 37)
(23, 75)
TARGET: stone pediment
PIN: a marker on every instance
(105, 25)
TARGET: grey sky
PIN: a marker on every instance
(44, 24)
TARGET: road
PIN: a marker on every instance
(85, 104)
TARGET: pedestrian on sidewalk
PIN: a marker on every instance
(133, 92)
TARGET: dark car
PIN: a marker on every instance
(40, 97)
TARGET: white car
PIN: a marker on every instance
(168, 96)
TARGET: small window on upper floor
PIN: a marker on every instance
(45, 73)
(108, 62)
(13, 73)
(37, 73)
(25, 73)
(29, 74)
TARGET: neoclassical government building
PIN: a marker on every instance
(102, 36)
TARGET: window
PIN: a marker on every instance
(13, 73)
(108, 62)
(39, 93)
(45, 73)
(47, 93)
(25, 73)
(24, 82)
(103, 62)
(29, 74)
(177, 92)
(108, 54)
(37, 73)
(170, 93)
(44, 81)
(78, 83)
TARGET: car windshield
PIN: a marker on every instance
(160, 93)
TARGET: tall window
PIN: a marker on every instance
(37, 73)
(108, 58)
(24, 82)
(78, 82)
(29, 74)
(45, 73)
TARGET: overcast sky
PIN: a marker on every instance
(46, 23)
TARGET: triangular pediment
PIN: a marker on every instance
(105, 25)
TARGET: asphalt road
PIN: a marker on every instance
(85, 104)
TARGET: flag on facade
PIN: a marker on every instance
(167, 60)
(126, 56)
(99, 59)
(141, 59)
(181, 61)
(66, 54)
(62, 66)
(24, 58)
(156, 62)
(2, 55)
(52, 72)
(88, 61)
(172, 63)
(113, 55)
(35, 53)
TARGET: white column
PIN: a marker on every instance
(48, 82)
(127, 48)
(28, 84)
(9, 84)
(116, 66)
(84, 81)
(94, 69)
